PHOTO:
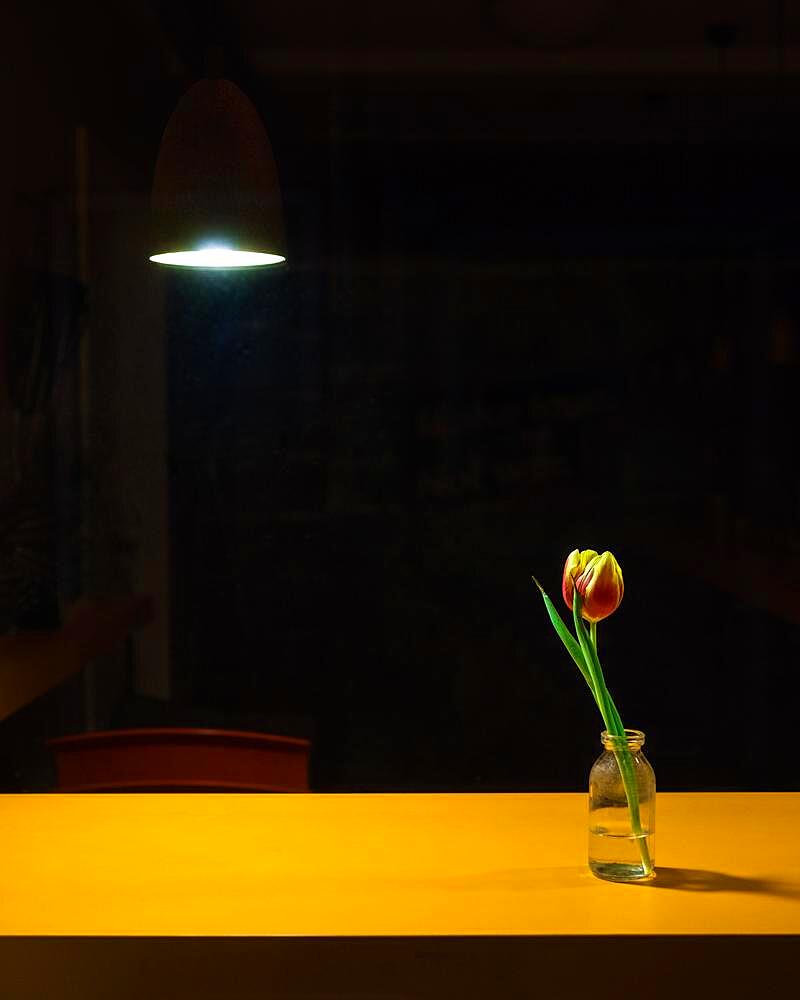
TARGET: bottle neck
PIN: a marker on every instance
(633, 740)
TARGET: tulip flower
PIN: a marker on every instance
(592, 588)
(601, 587)
(576, 563)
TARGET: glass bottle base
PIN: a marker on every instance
(619, 871)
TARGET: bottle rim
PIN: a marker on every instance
(633, 740)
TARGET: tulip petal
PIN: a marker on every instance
(601, 587)
(575, 564)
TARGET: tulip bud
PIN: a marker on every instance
(576, 563)
(601, 587)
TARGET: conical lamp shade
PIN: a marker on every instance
(216, 196)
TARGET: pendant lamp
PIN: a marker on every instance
(216, 196)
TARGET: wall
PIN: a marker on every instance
(118, 476)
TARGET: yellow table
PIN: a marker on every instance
(461, 895)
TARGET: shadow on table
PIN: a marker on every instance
(701, 880)
(579, 877)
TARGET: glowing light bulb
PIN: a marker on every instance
(217, 257)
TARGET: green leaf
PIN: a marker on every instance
(565, 636)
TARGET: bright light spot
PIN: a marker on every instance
(217, 257)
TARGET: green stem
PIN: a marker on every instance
(615, 728)
(625, 765)
(610, 701)
(592, 663)
(584, 654)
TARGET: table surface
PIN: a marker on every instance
(386, 865)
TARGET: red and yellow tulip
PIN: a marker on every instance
(597, 578)
(592, 587)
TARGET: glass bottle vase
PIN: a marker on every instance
(622, 810)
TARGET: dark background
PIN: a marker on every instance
(542, 294)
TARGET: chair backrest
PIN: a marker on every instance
(180, 760)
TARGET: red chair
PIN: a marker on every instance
(180, 760)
